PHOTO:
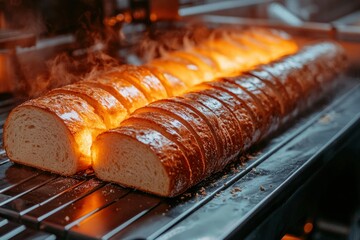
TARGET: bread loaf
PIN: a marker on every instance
(112, 95)
(267, 95)
(105, 105)
(53, 133)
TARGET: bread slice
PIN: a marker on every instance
(241, 113)
(205, 105)
(187, 72)
(176, 132)
(224, 63)
(272, 99)
(53, 133)
(206, 68)
(278, 87)
(178, 109)
(248, 101)
(277, 42)
(142, 79)
(119, 155)
(105, 104)
(287, 75)
(235, 52)
(214, 102)
(174, 82)
(270, 118)
(125, 92)
(164, 81)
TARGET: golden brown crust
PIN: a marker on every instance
(142, 79)
(241, 114)
(199, 128)
(163, 147)
(176, 132)
(174, 81)
(271, 100)
(203, 104)
(72, 110)
(164, 81)
(225, 64)
(278, 87)
(248, 103)
(214, 101)
(187, 72)
(104, 104)
(76, 115)
(130, 96)
(206, 65)
(292, 87)
(271, 115)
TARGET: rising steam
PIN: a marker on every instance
(65, 69)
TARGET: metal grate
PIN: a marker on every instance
(35, 203)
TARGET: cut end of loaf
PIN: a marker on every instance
(37, 138)
(124, 160)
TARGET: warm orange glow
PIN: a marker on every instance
(183, 72)
(290, 237)
(120, 17)
(84, 140)
(128, 17)
(4, 78)
(224, 56)
(123, 89)
(153, 17)
(308, 227)
(180, 71)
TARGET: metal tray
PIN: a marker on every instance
(234, 203)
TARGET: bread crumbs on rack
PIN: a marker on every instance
(235, 190)
(203, 191)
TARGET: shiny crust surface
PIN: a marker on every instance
(179, 109)
(175, 131)
(74, 111)
(163, 147)
(240, 111)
